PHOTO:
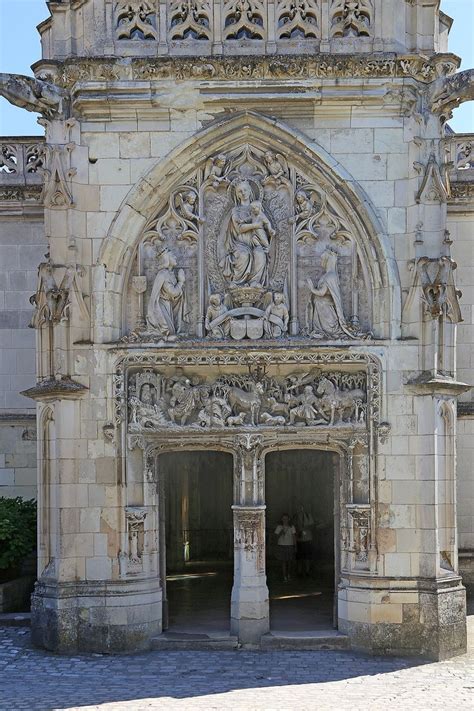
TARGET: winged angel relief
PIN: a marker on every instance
(248, 248)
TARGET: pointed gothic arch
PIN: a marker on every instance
(153, 190)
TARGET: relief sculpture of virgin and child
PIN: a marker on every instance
(247, 241)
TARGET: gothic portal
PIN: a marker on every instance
(246, 210)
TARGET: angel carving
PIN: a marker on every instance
(180, 220)
(216, 170)
(277, 167)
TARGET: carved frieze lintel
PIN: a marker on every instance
(321, 66)
(311, 399)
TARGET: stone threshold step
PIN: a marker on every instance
(289, 641)
(193, 641)
(15, 619)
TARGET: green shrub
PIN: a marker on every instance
(17, 531)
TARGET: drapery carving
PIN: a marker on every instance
(258, 252)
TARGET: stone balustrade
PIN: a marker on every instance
(21, 160)
(229, 27)
(461, 156)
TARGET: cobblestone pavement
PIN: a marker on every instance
(37, 680)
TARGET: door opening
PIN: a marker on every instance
(198, 551)
(301, 483)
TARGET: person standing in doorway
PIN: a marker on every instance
(286, 535)
(304, 523)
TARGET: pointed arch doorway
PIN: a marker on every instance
(304, 484)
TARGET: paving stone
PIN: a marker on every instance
(37, 680)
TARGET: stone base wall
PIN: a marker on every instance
(98, 617)
(396, 621)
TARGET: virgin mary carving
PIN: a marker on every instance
(166, 313)
(247, 241)
(325, 315)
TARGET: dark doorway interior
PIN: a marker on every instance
(293, 479)
(199, 540)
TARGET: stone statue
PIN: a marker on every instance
(325, 315)
(247, 241)
(33, 95)
(47, 297)
(216, 323)
(277, 167)
(306, 407)
(276, 317)
(216, 170)
(166, 313)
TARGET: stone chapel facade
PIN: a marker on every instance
(251, 214)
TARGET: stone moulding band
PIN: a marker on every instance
(323, 66)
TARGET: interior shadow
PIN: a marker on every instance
(199, 541)
(300, 484)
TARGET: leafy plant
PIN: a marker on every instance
(17, 530)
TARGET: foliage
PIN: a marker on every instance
(17, 530)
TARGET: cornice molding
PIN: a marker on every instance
(319, 66)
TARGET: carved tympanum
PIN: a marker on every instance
(158, 402)
(249, 233)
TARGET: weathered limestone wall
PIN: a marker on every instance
(22, 244)
(460, 224)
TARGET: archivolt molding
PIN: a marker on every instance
(264, 134)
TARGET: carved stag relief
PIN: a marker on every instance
(248, 248)
(157, 402)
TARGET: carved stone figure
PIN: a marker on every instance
(276, 317)
(215, 411)
(310, 399)
(325, 315)
(277, 167)
(347, 403)
(167, 311)
(306, 408)
(247, 241)
(216, 170)
(48, 296)
(217, 321)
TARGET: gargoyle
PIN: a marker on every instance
(447, 93)
(34, 95)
